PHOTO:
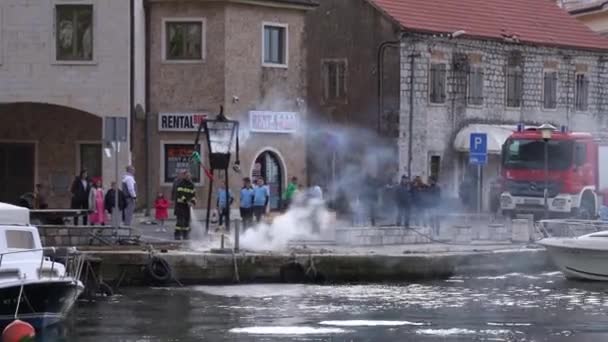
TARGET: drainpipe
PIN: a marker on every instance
(412, 57)
(380, 63)
(147, 103)
(131, 71)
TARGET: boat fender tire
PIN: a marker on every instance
(293, 272)
(159, 270)
(105, 289)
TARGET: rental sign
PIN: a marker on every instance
(180, 122)
(273, 122)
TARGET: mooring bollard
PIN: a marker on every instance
(237, 235)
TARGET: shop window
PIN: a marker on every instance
(581, 92)
(184, 39)
(90, 159)
(434, 167)
(275, 44)
(74, 32)
(177, 158)
(334, 80)
(437, 91)
(550, 89)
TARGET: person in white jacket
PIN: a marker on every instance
(129, 188)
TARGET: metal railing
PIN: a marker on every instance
(72, 261)
(570, 227)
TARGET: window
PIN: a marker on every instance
(19, 239)
(581, 92)
(475, 86)
(176, 158)
(437, 86)
(90, 159)
(514, 80)
(74, 32)
(275, 45)
(580, 154)
(550, 89)
(184, 40)
(334, 80)
(435, 164)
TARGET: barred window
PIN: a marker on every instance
(550, 89)
(437, 87)
(514, 80)
(475, 86)
(334, 80)
(581, 92)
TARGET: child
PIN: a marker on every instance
(161, 206)
(96, 204)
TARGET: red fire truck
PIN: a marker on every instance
(572, 177)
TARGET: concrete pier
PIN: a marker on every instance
(338, 265)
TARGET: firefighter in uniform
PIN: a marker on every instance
(185, 198)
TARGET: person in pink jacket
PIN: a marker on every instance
(96, 204)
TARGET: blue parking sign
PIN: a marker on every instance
(478, 149)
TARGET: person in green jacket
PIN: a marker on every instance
(289, 193)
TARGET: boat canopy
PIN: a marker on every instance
(14, 215)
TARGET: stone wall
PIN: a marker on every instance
(435, 125)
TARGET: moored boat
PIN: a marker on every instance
(583, 257)
(33, 287)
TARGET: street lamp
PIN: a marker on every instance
(546, 131)
(220, 135)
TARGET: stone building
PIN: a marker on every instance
(472, 68)
(247, 56)
(349, 44)
(64, 67)
(476, 68)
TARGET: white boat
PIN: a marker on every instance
(33, 287)
(583, 257)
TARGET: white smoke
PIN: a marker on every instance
(305, 220)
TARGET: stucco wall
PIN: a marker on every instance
(232, 68)
(29, 72)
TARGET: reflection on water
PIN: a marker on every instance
(511, 307)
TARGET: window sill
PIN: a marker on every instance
(437, 104)
(183, 61)
(274, 65)
(513, 108)
(549, 109)
(68, 63)
(475, 106)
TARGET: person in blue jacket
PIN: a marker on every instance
(261, 196)
(246, 203)
(223, 205)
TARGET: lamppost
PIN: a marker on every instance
(546, 131)
(220, 134)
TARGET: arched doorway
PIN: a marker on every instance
(46, 144)
(268, 165)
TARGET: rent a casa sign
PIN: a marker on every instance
(180, 122)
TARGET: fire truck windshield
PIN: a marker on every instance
(530, 154)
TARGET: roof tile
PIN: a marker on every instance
(531, 21)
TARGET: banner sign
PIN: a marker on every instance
(180, 122)
(273, 122)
